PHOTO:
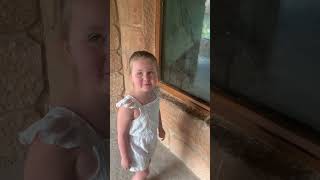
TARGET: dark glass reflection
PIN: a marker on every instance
(268, 52)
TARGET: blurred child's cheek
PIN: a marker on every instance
(90, 63)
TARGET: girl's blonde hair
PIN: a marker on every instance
(143, 55)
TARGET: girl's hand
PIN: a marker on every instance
(125, 163)
(162, 133)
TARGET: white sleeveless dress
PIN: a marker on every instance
(62, 127)
(143, 131)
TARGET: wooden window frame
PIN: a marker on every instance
(189, 100)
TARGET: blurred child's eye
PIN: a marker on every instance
(95, 37)
(139, 73)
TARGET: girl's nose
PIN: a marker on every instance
(146, 77)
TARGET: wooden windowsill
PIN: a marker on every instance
(288, 139)
(196, 105)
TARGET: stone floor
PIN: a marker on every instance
(164, 164)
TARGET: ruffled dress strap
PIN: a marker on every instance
(128, 102)
(63, 128)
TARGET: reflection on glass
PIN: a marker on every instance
(272, 57)
(186, 46)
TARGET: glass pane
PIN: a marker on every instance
(271, 56)
(185, 60)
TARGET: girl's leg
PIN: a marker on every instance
(141, 175)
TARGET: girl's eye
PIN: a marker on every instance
(139, 73)
(150, 73)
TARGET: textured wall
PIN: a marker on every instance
(23, 87)
(116, 68)
(188, 136)
(137, 29)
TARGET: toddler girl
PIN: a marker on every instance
(139, 116)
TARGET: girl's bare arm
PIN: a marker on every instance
(124, 119)
(160, 121)
(50, 162)
(162, 133)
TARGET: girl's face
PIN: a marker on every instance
(144, 75)
(86, 44)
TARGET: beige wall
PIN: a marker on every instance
(136, 23)
(116, 67)
(23, 80)
(188, 136)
